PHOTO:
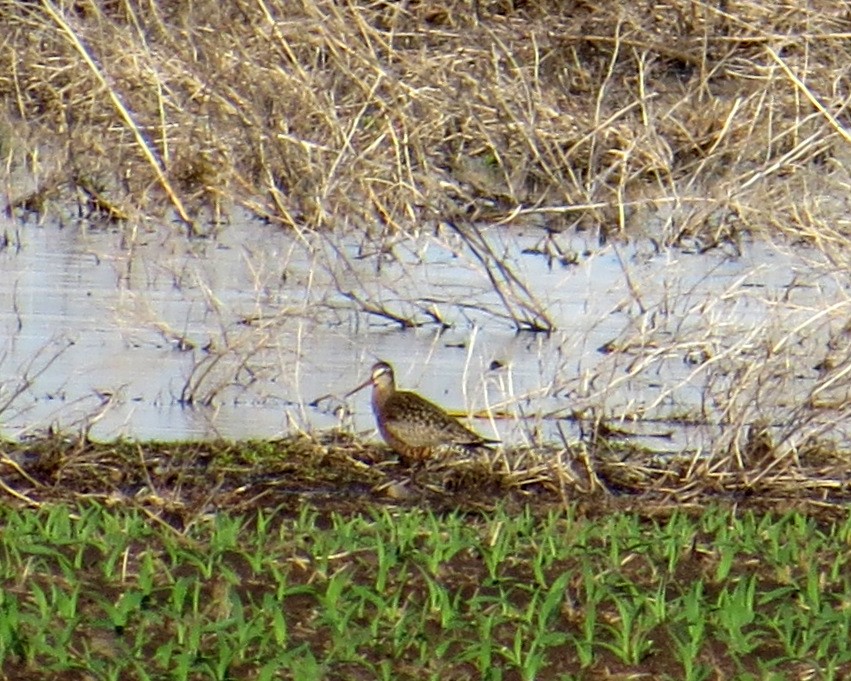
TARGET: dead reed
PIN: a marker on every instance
(677, 119)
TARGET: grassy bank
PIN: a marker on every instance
(682, 121)
(180, 482)
(413, 594)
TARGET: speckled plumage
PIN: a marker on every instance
(415, 428)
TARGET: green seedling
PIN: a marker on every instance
(689, 632)
(630, 637)
(735, 612)
(451, 595)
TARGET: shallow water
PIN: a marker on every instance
(148, 336)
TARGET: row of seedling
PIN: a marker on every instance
(549, 595)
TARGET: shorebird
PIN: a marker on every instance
(415, 428)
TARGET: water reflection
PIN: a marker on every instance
(148, 336)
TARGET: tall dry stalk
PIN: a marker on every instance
(681, 121)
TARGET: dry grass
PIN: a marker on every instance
(678, 118)
(179, 483)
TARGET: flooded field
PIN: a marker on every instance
(147, 336)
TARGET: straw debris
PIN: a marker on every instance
(182, 483)
(683, 119)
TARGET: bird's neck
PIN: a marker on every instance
(379, 398)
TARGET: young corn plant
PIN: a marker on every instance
(387, 558)
(543, 633)
(630, 636)
(526, 654)
(493, 553)
(482, 651)
(679, 534)
(11, 641)
(594, 593)
(734, 614)
(688, 631)
(440, 604)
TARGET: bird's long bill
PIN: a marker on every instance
(359, 388)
